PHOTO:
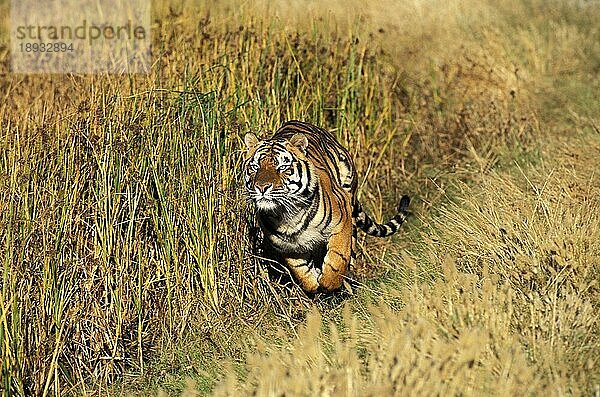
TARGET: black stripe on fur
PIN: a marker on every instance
(366, 224)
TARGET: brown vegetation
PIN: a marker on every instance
(125, 263)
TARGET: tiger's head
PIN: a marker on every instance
(277, 174)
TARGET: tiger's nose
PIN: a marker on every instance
(263, 188)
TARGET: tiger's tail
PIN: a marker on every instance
(369, 226)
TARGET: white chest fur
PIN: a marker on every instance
(302, 242)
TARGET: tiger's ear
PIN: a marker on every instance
(300, 141)
(250, 140)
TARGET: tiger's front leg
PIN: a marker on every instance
(338, 256)
(305, 273)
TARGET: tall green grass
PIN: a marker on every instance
(112, 232)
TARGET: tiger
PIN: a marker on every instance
(303, 184)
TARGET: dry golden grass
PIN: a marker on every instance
(123, 226)
(515, 311)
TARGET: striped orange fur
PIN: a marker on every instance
(303, 184)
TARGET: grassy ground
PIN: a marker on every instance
(125, 262)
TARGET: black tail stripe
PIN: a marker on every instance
(381, 230)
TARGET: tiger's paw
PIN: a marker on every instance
(330, 281)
